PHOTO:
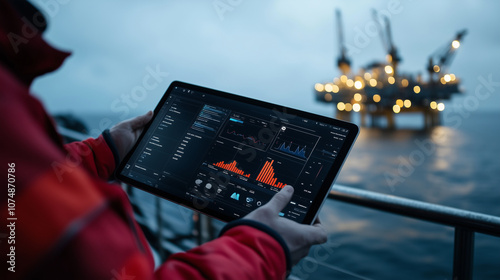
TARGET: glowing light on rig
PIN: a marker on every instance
(407, 103)
(388, 69)
(319, 87)
(355, 90)
(433, 105)
(396, 109)
(328, 87)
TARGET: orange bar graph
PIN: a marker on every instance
(231, 167)
(266, 175)
(263, 172)
(259, 177)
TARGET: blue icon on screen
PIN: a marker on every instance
(235, 196)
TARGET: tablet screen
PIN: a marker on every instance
(226, 155)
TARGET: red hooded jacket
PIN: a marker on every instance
(64, 220)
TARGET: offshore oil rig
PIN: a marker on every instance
(380, 91)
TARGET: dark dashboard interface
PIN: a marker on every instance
(226, 156)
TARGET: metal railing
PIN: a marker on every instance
(466, 223)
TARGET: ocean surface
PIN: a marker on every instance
(456, 164)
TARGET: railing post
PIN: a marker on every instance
(463, 255)
(159, 221)
(206, 229)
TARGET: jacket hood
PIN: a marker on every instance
(22, 49)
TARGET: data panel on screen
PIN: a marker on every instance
(229, 156)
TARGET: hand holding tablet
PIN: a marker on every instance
(298, 237)
(226, 155)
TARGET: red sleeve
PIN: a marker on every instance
(87, 231)
(243, 252)
(94, 154)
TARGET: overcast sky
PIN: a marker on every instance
(269, 50)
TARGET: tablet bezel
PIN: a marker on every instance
(323, 190)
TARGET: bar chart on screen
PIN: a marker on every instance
(231, 167)
(267, 176)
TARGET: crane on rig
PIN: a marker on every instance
(343, 63)
(384, 25)
(441, 59)
(381, 91)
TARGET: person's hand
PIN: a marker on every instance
(298, 237)
(125, 133)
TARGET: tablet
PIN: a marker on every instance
(225, 155)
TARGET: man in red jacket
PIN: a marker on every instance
(64, 221)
